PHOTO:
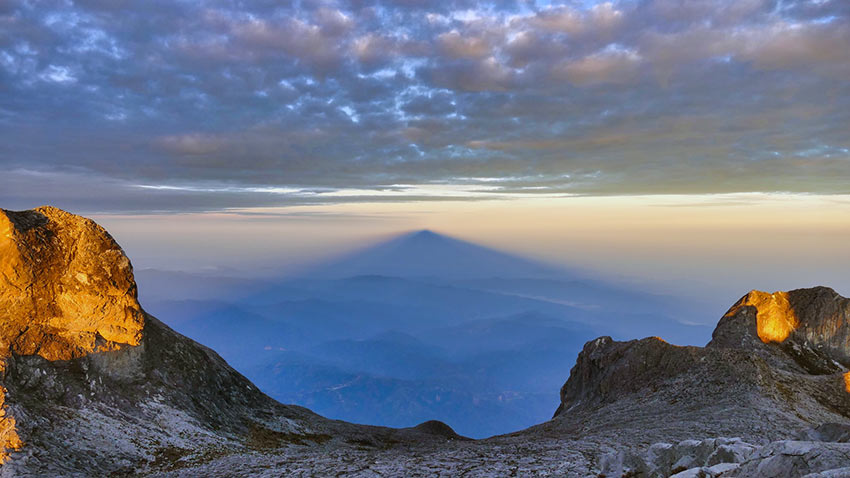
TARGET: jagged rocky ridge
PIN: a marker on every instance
(769, 351)
(94, 386)
(775, 369)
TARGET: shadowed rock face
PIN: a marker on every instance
(607, 370)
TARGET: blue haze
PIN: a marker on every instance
(420, 327)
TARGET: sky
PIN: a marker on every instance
(635, 137)
(713, 248)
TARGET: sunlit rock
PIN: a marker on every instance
(812, 326)
(66, 287)
(9, 438)
(775, 318)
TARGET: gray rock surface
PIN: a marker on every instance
(808, 325)
(713, 455)
(835, 473)
(790, 459)
(738, 385)
(831, 432)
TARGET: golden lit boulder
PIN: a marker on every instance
(775, 317)
(66, 287)
(810, 325)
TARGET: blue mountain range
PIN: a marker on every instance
(422, 326)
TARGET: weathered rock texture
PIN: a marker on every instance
(66, 287)
(732, 457)
(812, 326)
(786, 347)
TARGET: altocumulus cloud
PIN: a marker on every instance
(158, 105)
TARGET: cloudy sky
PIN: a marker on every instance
(677, 138)
(119, 106)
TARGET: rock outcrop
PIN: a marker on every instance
(789, 348)
(66, 287)
(85, 369)
(812, 326)
(66, 290)
(732, 457)
(777, 364)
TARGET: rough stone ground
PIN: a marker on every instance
(451, 459)
(708, 458)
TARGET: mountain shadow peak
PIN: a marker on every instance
(426, 253)
(424, 235)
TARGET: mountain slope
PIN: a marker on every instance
(779, 350)
(94, 386)
(464, 317)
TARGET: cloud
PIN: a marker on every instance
(192, 144)
(598, 19)
(613, 65)
(608, 97)
(788, 45)
(454, 45)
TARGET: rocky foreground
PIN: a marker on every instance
(94, 386)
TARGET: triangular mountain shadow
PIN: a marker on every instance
(426, 253)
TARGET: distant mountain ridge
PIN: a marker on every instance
(426, 253)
